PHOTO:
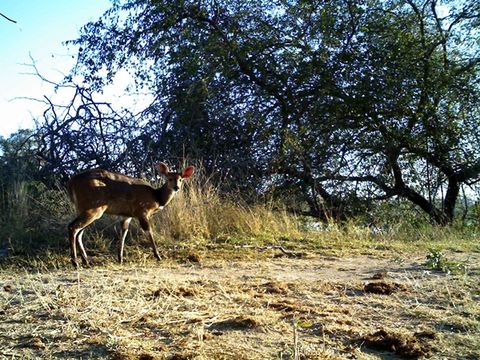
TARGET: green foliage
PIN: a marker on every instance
(334, 104)
(334, 109)
(436, 260)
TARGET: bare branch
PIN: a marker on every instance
(6, 17)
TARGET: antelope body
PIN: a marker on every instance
(95, 192)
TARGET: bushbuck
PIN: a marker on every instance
(95, 192)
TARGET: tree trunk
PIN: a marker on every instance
(436, 215)
(451, 197)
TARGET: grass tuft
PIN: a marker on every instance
(200, 214)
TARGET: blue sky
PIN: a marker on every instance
(42, 26)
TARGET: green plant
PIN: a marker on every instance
(436, 260)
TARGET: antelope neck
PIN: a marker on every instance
(164, 195)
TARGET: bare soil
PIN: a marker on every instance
(271, 308)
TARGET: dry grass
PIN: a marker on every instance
(271, 308)
(201, 215)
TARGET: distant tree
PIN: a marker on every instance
(18, 166)
(417, 101)
(86, 133)
(17, 158)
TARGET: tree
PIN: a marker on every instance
(338, 103)
(424, 117)
(87, 133)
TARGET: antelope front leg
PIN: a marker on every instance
(72, 236)
(144, 223)
(75, 229)
(83, 253)
(123, 235)
(154, 246)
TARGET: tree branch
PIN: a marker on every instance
(6, 17)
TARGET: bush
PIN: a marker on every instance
(32, 217)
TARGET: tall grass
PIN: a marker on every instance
(201, 214)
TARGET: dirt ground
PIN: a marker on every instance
(271, 308)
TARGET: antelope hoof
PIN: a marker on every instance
(74, 263)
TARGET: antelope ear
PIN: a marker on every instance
(162, 168)
(188, 172)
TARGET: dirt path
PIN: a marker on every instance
(277, 308)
